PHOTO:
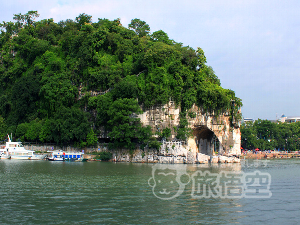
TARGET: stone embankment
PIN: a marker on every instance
(189, 158)
(172, 152)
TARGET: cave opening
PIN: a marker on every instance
(206, 140)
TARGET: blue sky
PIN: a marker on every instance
(253, 46)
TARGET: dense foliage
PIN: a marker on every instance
(60, 80)
(265, 135)
(104, 156)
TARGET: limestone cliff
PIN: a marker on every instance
(211, 133)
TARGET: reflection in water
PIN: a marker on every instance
(42, 192)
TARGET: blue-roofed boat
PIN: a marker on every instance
(60, 155)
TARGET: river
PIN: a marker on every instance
(44, 192)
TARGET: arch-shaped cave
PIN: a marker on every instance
(206, 140)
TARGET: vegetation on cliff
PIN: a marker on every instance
(64, 82)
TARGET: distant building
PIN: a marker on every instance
(282, 119)
(248, 120)
(290, 119)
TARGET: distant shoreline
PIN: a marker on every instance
(272, 155)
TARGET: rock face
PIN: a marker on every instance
(211, 134)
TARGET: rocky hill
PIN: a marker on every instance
(79, 82)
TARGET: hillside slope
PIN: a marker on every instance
(62, 82)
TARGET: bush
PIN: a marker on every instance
(192, 115)
(104, 156)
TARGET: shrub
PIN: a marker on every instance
(104, 156)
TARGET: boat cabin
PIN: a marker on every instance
(59, 155)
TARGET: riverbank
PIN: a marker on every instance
(271, 155)
(169, 154)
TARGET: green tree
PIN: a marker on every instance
(10, 28)
(123, 123)
(25, 95)
(33, 131)
(22, 130)
(103, 106)
(83, 19)
(264, 129)
(248, 136)
(26, 19)
(5, 106)
(153, 143)
(166, 133)
(29, 47)
(144, 135)
(140, 27)
(46, 132)
(266, 135)
(105, 156)
(57, 91)
(183, 132)
(91, 138)
(161, 36)
(69, 125)
(201, 58)
(3, 128)
(126, 88)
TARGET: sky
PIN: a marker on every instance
(252, 45)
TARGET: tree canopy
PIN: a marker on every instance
(265, 135)
(60, 80)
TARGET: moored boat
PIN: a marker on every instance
(15, 150)
(59, 155)
(3, 153)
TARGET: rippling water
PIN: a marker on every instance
(43, 192)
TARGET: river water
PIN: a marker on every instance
(44, 192)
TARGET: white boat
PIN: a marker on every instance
(3, 152)
(15, 150)
(59, 155)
